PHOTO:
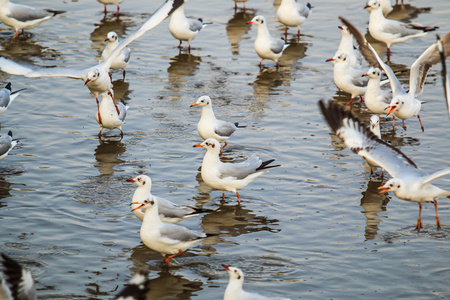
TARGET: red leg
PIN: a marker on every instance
(239, 197)
(117, 108)
(349, 102)
(98, 111)
(285, 31)
(179, 46)
(438, 222)
(298, 31)
(423, 129)
(124, 73)
(278, 65)
(419, 219)
(117, 12)
(361, 97)
(168, 258)
(389, 54)
(223, 195)
(260, 63)
(17, 33)
(105, 11)
(226, 144)
(403, 124)
(100, 132)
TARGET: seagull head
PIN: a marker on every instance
(258, 20)
(202, 101)
(141, 180)
(374, 121)
(344, 30)
(372, 5)
(373, 73)
(210, 145)
(392, 185)
(341, 58)
(111, 37)
(395, 104)
(234, 273)
(146, 203)
(92, 75)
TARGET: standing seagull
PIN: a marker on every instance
(234, 289)
(165, 238)
(184, 29)
(122, 59)
(229, 176)
(107, 116)
(291, 13)
(6, 144)
(404, 105)
(7, 97)
(18, 283)
(376, 98)
(392, 31)
(168, 211)
(409, 182)
(346, 46)
(22, 17)
(266, 46)
(210, 127)
(115, 2)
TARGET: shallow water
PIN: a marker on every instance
(314, 228)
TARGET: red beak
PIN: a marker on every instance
(366, 6)
(340, 27)
(330, 59)
(195, 104)
(226, 267)
(250, 22)
(392, 109)
(198, 145)
(86, 82)
(130, 180)
(106, 39)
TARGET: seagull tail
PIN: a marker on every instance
(55, 12)
(237, 125)
(265, 165)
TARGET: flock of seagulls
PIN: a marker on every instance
(158, 215)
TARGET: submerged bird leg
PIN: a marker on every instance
(438, 222)
(223, 195)
(423, 129)
(100, 132)
(189, 47)
(278, 66)
(419, 219)
(298, 30)
(226, 144)
(105, 10)
(179, 46)
(98, 111)
(121, 134)
(349, 102)
(388, 54)
(403, 124)
(168, 258)
(239, 197)
(124, 73)
(260, 63)
(361, 97)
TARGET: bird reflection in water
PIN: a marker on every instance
(181, 66)
(26, 50)
(373, 203)
(237, 27)
(107, 155)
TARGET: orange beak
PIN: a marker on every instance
(136, 208)
(365, 74)
(198, 145)
(226, 267)
(330, 59)
(250, 22)
(130, 180)
(195, 104)
(383, 189)
(392, 108)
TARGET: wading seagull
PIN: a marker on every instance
(376, 99)
(7, 97)
(18, 283)
(291, 13)
(408, 182)
(165, 238)
(229, 177)
(22, 17)
(346, 46)
(168, 211)
(234, 289)
(404, 105)
(115, 2)
(392, 31)
(184, 29)
(122, 59)
(137, 288)
(210, 127)
(107, 116)
(96, 78)
(6, 144)
(266, 46)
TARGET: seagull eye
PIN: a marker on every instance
(146, 201)
(152, 202)
(391, 185)
(374, 72)
(398, 186)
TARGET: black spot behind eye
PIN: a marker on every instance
(239, 276)
(143, 182)
(152, 202)
(212, 145)
(262, 21)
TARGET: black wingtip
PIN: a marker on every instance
(8, 86)
(265, 165)
(200, 211)
(13, 274)
(175, 5)
(10, 133)
(237, 125)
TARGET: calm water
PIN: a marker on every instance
(314, 228)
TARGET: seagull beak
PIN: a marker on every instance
(383, 189)
(226, 267)
(195, 104)
(86, 82)
(340, 27)
(367, 6)
(330, 59)
(250, 22)
(136, 208)
(107, 39)
(198, 145)
(365, 74)
(373, 125)
(392, 108)
(130, 180)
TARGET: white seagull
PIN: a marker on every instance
(346, 46)
(184, 29)
(404, 104)
(376, 99)
(292, 13)
(165, 238)
(137, 288)
(409, 182)
(96, 78)
(6, 144)
(115, 2)
(7, 97)
(18, 283)
(22, 17)
(169, 212)
(234, 289)
(107, 116)
(266, 46)
(122, 59)
(392, 31)
(444, 75)
(210, 127)
(386, 7)
(229, 176)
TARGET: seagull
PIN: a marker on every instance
(444, 75)
(165, 238)
(107, 116)
(7, 97)
(229, 176)
(376, 98)
(408, 182)
(210, 127)
(404, 105)
(392, 31)
(22, 17)
(266, 46)
(169, 212)
(18, 283)
(96, 78)
(137, 288)
(346, 46)
(386, 7)
(115, 2)
(6, 144)
(184, 29)
(291, 13)
(234, 289)
(122, 59)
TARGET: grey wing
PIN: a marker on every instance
(437, 175)
(126, 53)
(5, 144)
(158, 16)
(363, 142)
(180, 233)
(242, 169)
(172, 210)
(303, 10)
(4, 97)
(396, 27)
(195, 25)
(277, 45)
(224, 128)
(25, 13)
(420, 67)
(122, 110)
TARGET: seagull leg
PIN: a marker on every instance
(100, 132)
(168, 258)
(438, 222)
(17, 33)
(117, 108)
(105, 11)
(349, 102)
(189, 48)
(393, 122)
(179, 46)
(419, 219)
(298, 30)
(226, 144)
(239, 197)
(124, 73)
(278, 66)
(121, 134)
(404, 126)
(117, 12)
(389, 53)
(223, 195)
(98, 111)
(260, 63)
(423, 129)
(361, 97)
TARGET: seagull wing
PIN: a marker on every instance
(436, 175)
(173, 233)
(224, 128)
(277, 45)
